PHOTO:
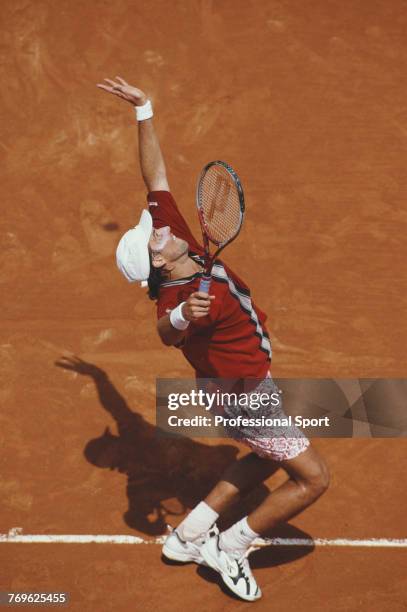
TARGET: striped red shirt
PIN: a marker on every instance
(232, 341)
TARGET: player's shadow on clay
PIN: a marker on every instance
(165, 475)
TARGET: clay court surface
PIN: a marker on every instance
(308, 101)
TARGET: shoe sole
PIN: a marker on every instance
(226, 579)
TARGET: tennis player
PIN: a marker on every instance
(222, 335)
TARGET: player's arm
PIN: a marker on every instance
(151, 159)
(196, 307)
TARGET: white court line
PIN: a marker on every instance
(15, 536)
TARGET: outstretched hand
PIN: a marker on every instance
(75, 364)
(123, 90)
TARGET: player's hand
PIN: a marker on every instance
(125, 91)
(197, 306)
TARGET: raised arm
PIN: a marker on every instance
(151, 159)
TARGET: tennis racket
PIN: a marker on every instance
(220, 203)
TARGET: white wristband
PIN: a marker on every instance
(176, 318)
(144, 112)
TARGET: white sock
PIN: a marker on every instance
(237, 539)
(198, 521)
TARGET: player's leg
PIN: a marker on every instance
(287, 445)
(184, 542)
(307, 480)
(240, 477)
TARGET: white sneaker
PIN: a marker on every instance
(187, 552)
(235, 573)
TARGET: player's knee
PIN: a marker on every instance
(319, 481)
(316, 482)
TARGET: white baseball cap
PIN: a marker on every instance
(132, 256)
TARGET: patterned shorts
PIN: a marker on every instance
(280, 442)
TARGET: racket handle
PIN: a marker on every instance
(205, 284)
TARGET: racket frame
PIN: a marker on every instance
(209, 259)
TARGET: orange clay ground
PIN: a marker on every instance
(308, 101)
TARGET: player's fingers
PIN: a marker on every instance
(200, 313)
(111, 82)
(201, 295)
(105, 87)
(198, 297)
(122, 81)
(203, 305)
(115, 92)
(200, 303)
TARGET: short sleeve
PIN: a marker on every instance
(165, 211)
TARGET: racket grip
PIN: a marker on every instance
(205, 284)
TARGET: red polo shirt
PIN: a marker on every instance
(232, 340)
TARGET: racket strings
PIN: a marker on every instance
(220, 205)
